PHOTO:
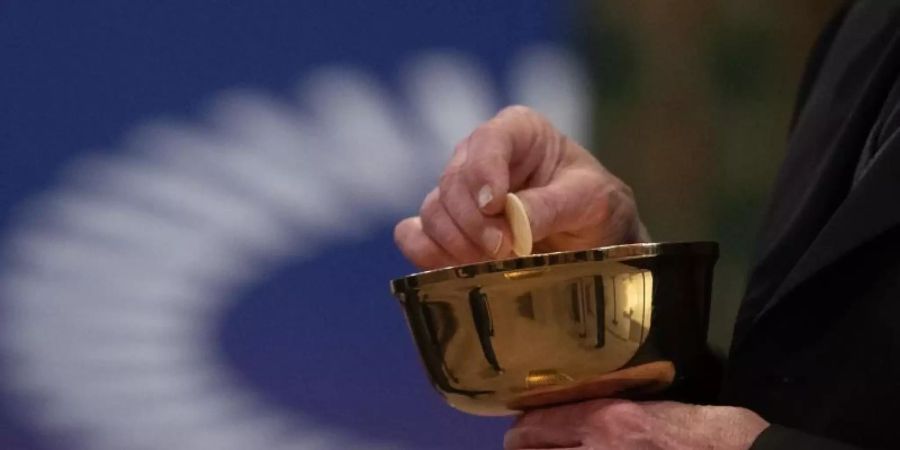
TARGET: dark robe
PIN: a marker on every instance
(816, 346)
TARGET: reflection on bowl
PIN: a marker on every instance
(502, 336)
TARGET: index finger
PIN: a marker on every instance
(505, 152)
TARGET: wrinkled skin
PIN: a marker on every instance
(573, 203)
(620, 424)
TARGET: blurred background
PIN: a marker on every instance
(197, 198)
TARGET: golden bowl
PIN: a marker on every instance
(502, 336)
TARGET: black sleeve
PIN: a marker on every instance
(815, 59)
(777, 437)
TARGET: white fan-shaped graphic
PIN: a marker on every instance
(114, 281)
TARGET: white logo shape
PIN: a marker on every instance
(114, 281)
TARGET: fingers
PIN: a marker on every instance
(462, 208)
(555, 427)
(438, 225)
(417, 247)
(540, 437)
(580, 425)
(490, 233)
(678, 414)
(435, 239)
(566, 191)
(572, 201)
(592, 208)
(614, 424)
(502, 154)
(567, 415)
(506, 151)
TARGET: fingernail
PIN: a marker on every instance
(484, 196)
(492, 239)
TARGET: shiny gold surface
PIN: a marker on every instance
(501, 336)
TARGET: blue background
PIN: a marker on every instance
(75, 76)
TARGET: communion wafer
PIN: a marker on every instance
(519, 224)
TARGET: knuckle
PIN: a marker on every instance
(452, 203)
(619, 412)
(487, 143)
(450, 175)
(627, 408)
(598, 208)
(625, 189)
(534, 119)
(429, 205)
(461, 147)
(608, 196)
(617, 200)
(483, 133)
(510, 120)
(518, 110)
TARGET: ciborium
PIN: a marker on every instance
(501, 336)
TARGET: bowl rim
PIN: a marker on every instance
(607, 253)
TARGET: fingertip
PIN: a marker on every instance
(501, 243)
(491, 238)
(485, 195)
(402, 229)
(405, 237)
(417, 247)
(486, 171)
(491, 199)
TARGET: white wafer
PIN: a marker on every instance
(519, 224)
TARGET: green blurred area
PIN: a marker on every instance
(693, 103)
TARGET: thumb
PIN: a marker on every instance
(543, 206)
(576, 203)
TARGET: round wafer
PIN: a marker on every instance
(519, 224)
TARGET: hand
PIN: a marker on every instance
(620, 424)
(572, 201)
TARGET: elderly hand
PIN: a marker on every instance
(621, 424)
(572, 201)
